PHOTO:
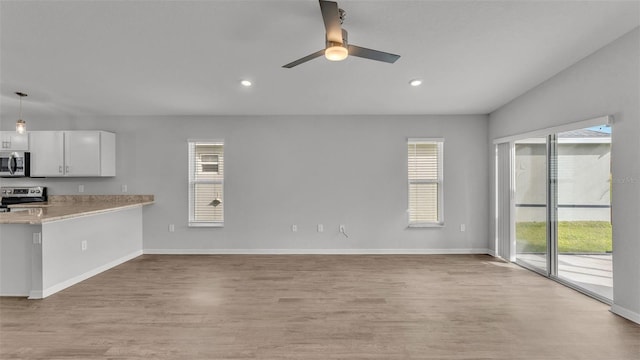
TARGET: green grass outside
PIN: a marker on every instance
(573, 237)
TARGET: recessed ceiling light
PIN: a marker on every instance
(415, 82)
(246, 83)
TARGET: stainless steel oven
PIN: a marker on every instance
(14, 164)
(21, 195)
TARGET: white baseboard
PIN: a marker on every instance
(625, 313)
(76, 279)
(314, 251)
(35, 294)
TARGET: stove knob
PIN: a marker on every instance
(37, 191)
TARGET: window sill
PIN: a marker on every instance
(201, 224)
(425, 225)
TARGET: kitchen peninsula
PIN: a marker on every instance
(47, 247)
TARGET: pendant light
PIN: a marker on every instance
(21, 125)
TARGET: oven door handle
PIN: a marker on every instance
(12, 164)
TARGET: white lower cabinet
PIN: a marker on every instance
(72, 153)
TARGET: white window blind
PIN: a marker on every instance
(425, 182)
(206, 183)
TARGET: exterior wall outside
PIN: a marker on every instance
(583, 179)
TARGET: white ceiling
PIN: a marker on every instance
(187, 57)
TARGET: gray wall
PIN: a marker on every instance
(605, 83)
(302, 170)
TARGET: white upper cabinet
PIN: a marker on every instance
(47, 153)
(12, 141)
(82, 153)
(72, 153)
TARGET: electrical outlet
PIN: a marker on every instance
(37, 238)
(172, 228)
(463, 227)
(80, 188)
(124, 188)
(320, 228)
(83, 245)
(294, 228)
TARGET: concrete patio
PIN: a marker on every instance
(592, 272)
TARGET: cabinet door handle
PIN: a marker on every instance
(60, 169)
(67, 169)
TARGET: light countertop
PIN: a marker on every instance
(61, 207)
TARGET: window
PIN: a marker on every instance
(425, 182)
(209, 163)
(206, 183)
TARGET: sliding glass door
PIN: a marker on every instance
(530, 177)
(584, 239)
(562, 201)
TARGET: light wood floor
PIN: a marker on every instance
(315, 307)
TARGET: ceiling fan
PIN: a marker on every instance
(337, 48)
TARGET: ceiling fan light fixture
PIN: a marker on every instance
(337, 47)
(336, 53)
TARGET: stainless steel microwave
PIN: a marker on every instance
(14, 164)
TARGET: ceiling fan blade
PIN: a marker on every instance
(331, 17)
(372, 54)
(304, 59)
